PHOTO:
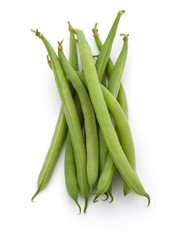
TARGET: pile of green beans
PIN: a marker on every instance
(93, 119)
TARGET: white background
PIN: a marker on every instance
(30, 104)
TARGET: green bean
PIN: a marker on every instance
(71, 118)
(54, 149)
(104, 119)
(89, 120)
(114, 73)
(106, 48)
(100, 66)
(113, 87)
(70, 166)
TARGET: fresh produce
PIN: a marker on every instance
(93, 119)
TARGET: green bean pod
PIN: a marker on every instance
(106, 48)
(56, 143)
(71, 118)
(89, 120)
(114, 73)
(113, 87)
(100, 66)
(104, 119)
(69, 163)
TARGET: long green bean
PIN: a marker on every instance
(116, 88)
(71, 118)
(69, 164)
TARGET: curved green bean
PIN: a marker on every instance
(89, 120)
(115, 87)
(71, 118)
(103, 117)
(100, 66)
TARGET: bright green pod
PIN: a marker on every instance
(115, 87)
(69, 163)
(71, 118)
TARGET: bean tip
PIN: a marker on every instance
(78, 207)
(121, 12)
(86, 203)
(125, 36)
(95, 30)
(60, 44)
(111, 196)
(95, 199)
(106, 198)
(37, 33)
(35, 194)
(69, 26)
(148, 197)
